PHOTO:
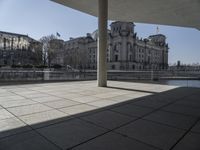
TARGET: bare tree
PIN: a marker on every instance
(47, 51)
(76, 58)
(36, 53)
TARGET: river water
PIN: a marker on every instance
(183, 83)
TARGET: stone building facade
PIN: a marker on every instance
(125, 50)
(18, 49)
(56, 53)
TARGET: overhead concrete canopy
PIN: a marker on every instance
(184, 13)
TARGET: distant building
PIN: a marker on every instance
(18, 49)
(185, 67)
(125, 50)
(178, 63)
(56, 53)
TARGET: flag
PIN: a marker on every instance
(157, 30)
(57, 34)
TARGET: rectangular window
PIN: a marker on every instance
(130, 57)
(4, 43)
(116, 57)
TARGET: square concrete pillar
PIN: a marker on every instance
(102, 43)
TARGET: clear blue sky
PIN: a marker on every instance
(43, 17)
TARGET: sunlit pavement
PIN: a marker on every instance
(82, 116)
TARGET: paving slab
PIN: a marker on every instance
(6, 94)
(61, 103)
(135, 95)
(102, 103)
(190, 142)
(152, 102)
(87, 92)
(193, 97)
(189, 101)
(196, 128)
(178, 93)
(99, 111)
(46, 99)
(133, 110)
(29, 109)
(187, 110)
(71, 133)
(68, 95)
(78, 109)
(4, 114)
(113, 141)
(26, 141)
(108, 119)
(25, 92)
(172, 119)
(17, 102)
(3, 91)
(12, 126)
(11, 97)
(165, 98)
(85, 99)
(36, 95)
(158, 135)
(107, 95)
(41, 119)
(122, 98)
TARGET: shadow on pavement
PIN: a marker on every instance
(166, 120)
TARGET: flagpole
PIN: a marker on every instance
(157, 30)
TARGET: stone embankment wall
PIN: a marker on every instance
(47, 74)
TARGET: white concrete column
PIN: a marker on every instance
(102, 43)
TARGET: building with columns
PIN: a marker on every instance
(125, 51)
(18, 49)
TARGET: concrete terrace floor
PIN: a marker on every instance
(81, 116)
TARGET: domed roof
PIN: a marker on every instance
(95, 34)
